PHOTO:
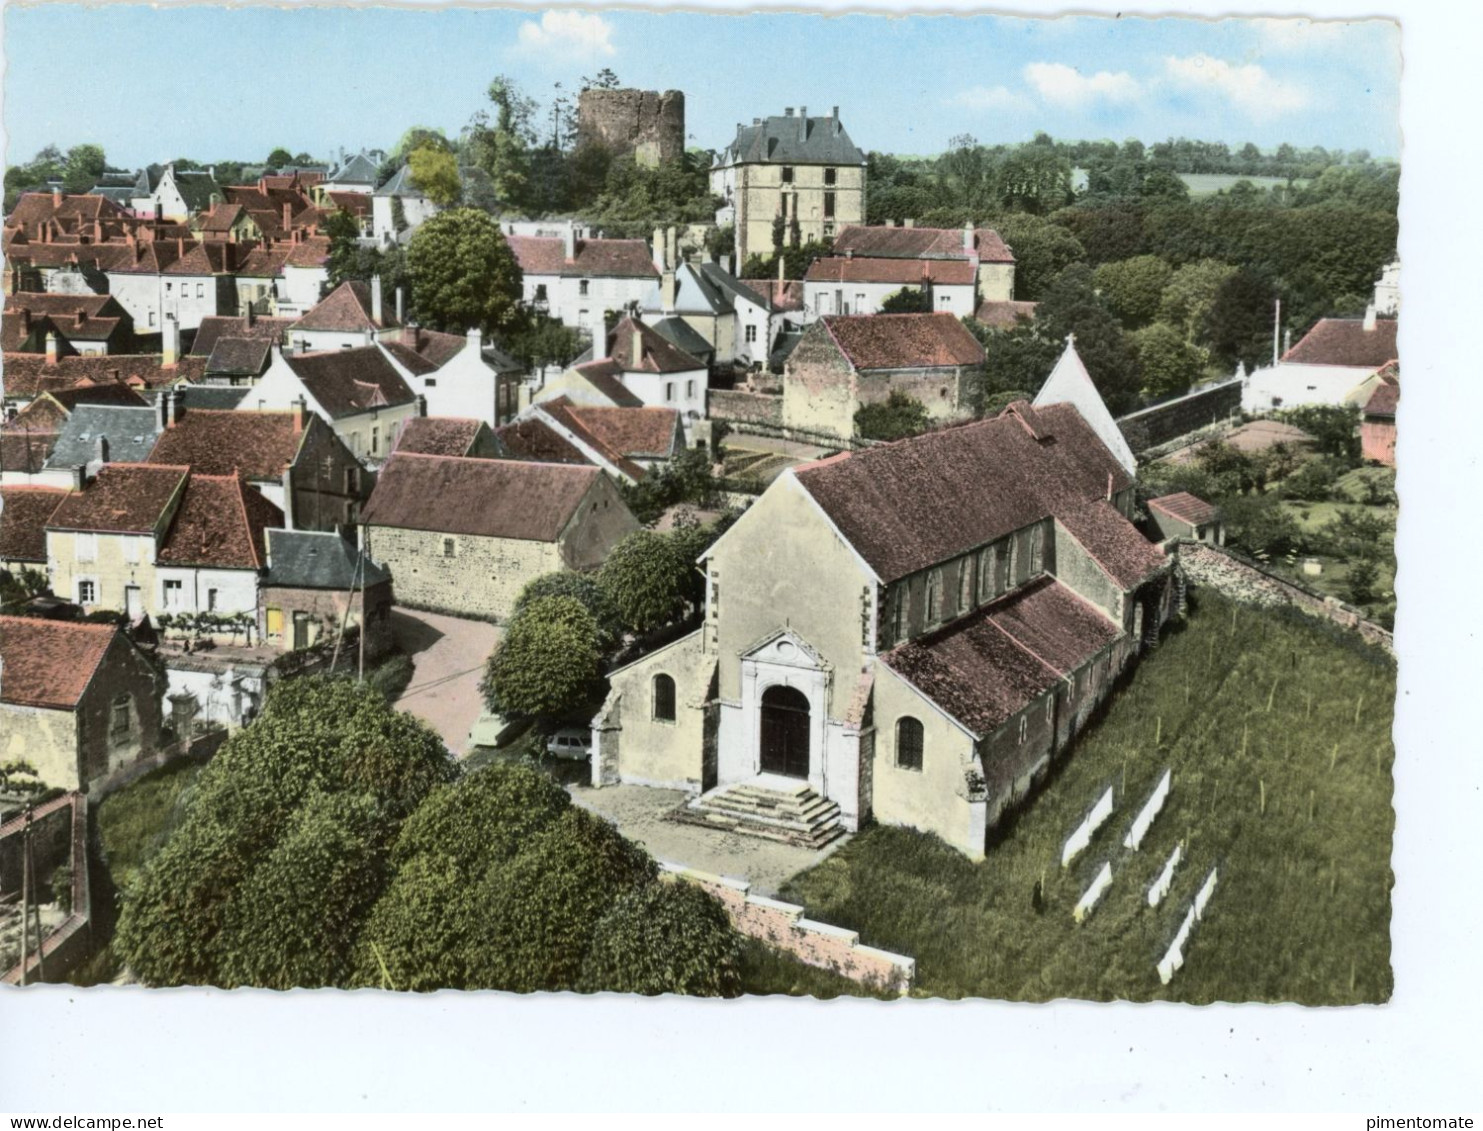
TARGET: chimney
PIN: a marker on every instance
(1276, 326)
(1286, 340)
(672, 248)
(376, 299)
(79, 477)
(170, 342)
(161, 407)
(399, 310)
(909, 223)
(782, 268)
(172, 408)
(788, 113)
(251, 316)
(636, 352)
(569, 242)
(668, 288)
(968, 235)
(51, 348)
(476, 339)
(100, 450)
(659, 263)
(803, 123)
(600, 341)
(56, 198)
(1370, 317)
(299, 408)
(288, 496)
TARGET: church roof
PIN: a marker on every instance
(1070, 383)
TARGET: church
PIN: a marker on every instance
(908, 634)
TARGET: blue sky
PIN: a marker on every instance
(214, 83)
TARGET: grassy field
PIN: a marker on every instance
(1277, 731)
(1208, 184)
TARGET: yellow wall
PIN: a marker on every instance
(481, 579)
(995, 282)
(760, 191)
(44, 739)
(110, 569)
(650, 750)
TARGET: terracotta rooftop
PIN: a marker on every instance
(638, 433)
(1112, 541)
(433, 346)
(259, 444)
(44, 414)
(23, 521)
(902, 341)
(534, 440)
(984, 668)
(906, 272)
(546, 255)
(1185, 507)
(439, 436)
(49, 663)
(658, 355)
(1004, 315)
(86, 318)
(124, 498)
(346, 382)
(880, 242)
(215, 327)
(1345, 341)
(492, 498)
(26, 375)
(347, 309)
(26, 451)
(917, 502)
(219, 524)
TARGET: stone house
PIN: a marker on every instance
(318, 583)
(464, 536)
(843, 363)
(802, 171)
(1377, 424)
(357, 391)
(624, 442)
(349, 316)
(918, 649)
(78, 701)
(1183, 515)
(579, 280)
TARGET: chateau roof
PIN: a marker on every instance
(790, 140)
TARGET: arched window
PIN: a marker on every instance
(965, 585)
(908, 743)
(664, 698)
(934, 597)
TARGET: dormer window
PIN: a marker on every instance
(787, 174)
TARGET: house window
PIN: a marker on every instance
(450, 548)
(689, 389)
(167, 288)
(934, 597)
(829, 206)
(174, 594)
(375, 439)
(87, 547)
(664, 698)
(540, 292)
(965, 585)
(352, 480)
(787, 174)
(669, 390)
(908, 743)
(131, 549)
(751, 333)
(211, 600)
(121, 723)
(200, 290)
(944, 301)
(87, 592)
(151, 317)
(1037, 549)
(830, 176)
(582, 287)
(988, 563)
(1024, 728)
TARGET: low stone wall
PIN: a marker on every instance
(1246, 581)
(736, 406)
(783, 926)
(1152, 427)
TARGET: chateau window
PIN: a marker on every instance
(450, 547)
(908, 743)
(830, 176)
(664, 698)
(787, 174)
(965, 585)
(87, 592)
(934, 597)
(829, 206)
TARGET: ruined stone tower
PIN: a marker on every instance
(645, 123)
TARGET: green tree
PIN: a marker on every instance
(1190, 294)
(1360, 583)
(547, 664)
(501, 146)
(1072, 306)
(464, 273)
(1168, 362)
(85, 165)
(436, 173)
(1334, 427)
(685, 479)
(1133, 288)
(895, 418)
(648, 580)
(279, 158)
(584, 588)
(664, 938)
(1238, 326)
(908, 300)
(421, 137)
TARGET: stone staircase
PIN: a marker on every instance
(772, 808)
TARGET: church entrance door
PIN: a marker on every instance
(785, 732)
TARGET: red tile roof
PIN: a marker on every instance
(906, 272)
(27, 374)
(347, 382)
(784, 294)
(219, 525)
(639, 433)
(536, 441)
(347, 309)
(45, 414)
(1345, 341)
(23, 521)
(902, 341)
(433, 346)
(311, 251)
(921, 243)
(559, 411)
(214, 327)
(439, 436)
(1112, 542)
(1185, 507)
(1004, 315)
(492, 498)
(220, 442)
(1384, 400)
(92, 318)
(545, 255)
(49, 663)
(914, 503)
(658, 354)
(124, 498)
(26, 452)
(984, 668)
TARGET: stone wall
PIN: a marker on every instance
(645, 123)
(736, 406)
(1150, 427)
(783, 927)
(1221, 570)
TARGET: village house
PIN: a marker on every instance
(705, 311)
(464, 536)
(1325, 366)
(77, 701)
(635, 366)
(579, 280)
(172, 194)
(845, 285)
(843, 363)
(1182, 515)
(110, 378)
(319, 584)
(82, 325)
(448, 436)
(802, 174)
(1377, 420)
(350, 315)
(358, 392)
(937, 620)
(23, 518)
(355, 174)
(237, 349)
(179, 280)
(458, 375)
(624, 442)
(961, 268)
(31, 436)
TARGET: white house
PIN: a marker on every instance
(1324, 368)
(181, 278)
(176, 195)
(479, 382)
(578, 280)
(847, 285)
(736, 323)
(355, 174)
(415, 208)
(351, 315)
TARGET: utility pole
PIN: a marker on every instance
(1276, 332)
(360, 567)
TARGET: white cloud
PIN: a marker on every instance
(1247, 86)
(1299, 35)
(1066, 86)
(985, 98)
(584, 33)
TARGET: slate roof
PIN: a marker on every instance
(902, 341)
(49, 663)
(794, 140)
(906, 272)
(258, 444)
(1004, 315)
(347, 308)
(215, 327)
(196, 187)
(219, 525)
(534, 440)
(1185, 507)
(1345, 341)
(130, 433)
(984, 668)
(409, 359)
(658, 354)
(309, 559)
(121, 499)
(439, 435)
(193, 397)
(347, 382)
(359, 169)
(492, 498)
(239, 357)
(684, 336)
(23, 520)
(880, 242)
(917, 502)
(546, 255)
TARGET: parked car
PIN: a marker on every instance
(570, 742)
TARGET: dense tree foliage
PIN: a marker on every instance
(685, 479)
(648, 578)
(464, 273)
(547, 664)
(898, 416)
(435, 170)
(908, 300)
(664, 938)
(1167, 360)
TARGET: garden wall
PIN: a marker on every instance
(739, 407)
(1150, 427)
(1244, 580)
(782, 926)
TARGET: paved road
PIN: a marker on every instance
(448, 655)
